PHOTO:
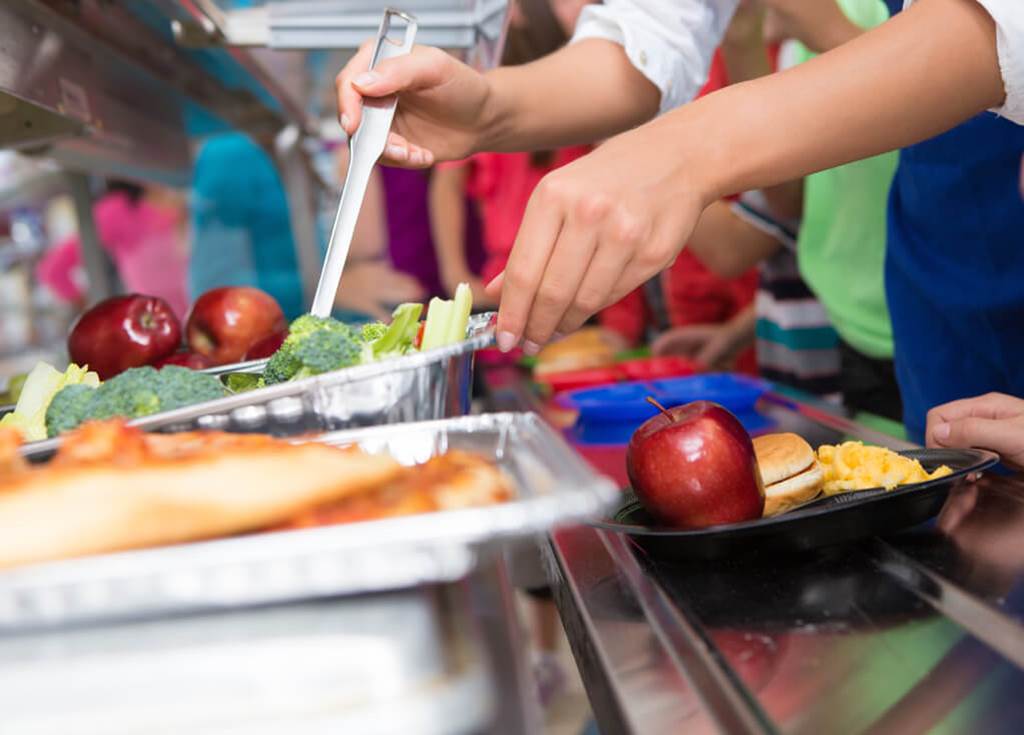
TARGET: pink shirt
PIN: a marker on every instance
(145, 243)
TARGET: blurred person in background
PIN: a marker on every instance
(142, 228)
(241, 231)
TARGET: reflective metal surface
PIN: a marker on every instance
(409, 662)
(553, 487)
(915, 632)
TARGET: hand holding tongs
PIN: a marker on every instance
(365, 148)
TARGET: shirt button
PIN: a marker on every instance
(643, 58)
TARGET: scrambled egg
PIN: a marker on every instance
(853, 466)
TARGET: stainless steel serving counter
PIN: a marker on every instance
(917, 632)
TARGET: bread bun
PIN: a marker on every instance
(587, 348)
(789, 471)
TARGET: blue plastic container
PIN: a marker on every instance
(610, 414)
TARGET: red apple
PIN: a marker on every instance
(184, 358)
(693, 466)
(266, 346)
(226, 322)
(124, 332)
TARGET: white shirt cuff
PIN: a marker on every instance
(1009, 18)
(670, 42)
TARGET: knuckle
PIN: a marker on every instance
(592, 208)
(587, 302)
(552, 189)
(550, 295)
(627, 228)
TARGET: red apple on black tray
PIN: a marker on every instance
(693, 466)
(266, 346)
(226, 322)
(184, 358)
(124, 332)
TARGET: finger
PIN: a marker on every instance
(605, 269)
(350, 101)
(534, 243)
(990, 405)
(713, 353)
(495, 284)
(998, 435)
(958, 507)
(422, 68)
(683, 340)
(401, 153)
(562, 279)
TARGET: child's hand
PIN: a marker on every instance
(713, 345)
(994, 421)
(373, 287)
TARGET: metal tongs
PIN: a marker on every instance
(365, 148)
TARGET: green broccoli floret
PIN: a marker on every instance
(131, 394)
(178, 386)
(282, 365)
(326, 350)
(314, 345)
(69, 407)
(373, 331)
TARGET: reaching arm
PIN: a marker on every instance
(597, 228)
(629, 59)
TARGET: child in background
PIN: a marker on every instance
(142, 229)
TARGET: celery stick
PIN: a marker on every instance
(436, 329)
(461, 308)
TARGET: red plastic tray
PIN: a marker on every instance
(655, 368)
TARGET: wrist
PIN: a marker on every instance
(494, 114)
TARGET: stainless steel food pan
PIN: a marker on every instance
(418, 387)
(400, 662)
(554, 486)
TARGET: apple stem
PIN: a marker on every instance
(653, 402)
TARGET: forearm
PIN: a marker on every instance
(868, 96)
(448, 222)
(584, 92)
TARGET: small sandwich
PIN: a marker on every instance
(789, 471)
(587, 348)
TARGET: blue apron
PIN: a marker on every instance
(954, 271)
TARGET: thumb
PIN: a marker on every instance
(422, 68)
(998, 435)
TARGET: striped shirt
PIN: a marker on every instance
(796, 344)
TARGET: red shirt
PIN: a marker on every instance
(502, 184)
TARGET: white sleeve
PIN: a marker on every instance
(670, 42)
(1009, 18)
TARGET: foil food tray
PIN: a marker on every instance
(418, 387)
(554, 486)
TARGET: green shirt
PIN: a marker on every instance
(841, 246)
